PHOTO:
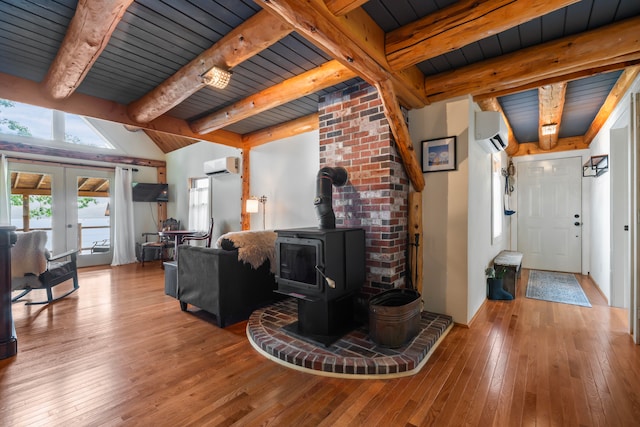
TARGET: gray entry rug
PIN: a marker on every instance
(556, 287)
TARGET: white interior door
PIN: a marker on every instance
(550, 214)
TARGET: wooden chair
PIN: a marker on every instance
(161, 244)
(206, 236)
(32, 267)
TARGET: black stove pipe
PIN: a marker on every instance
(327, 177)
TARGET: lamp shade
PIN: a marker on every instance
(253, 205)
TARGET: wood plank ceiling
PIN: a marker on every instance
(140, 63)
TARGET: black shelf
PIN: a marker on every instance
(596, 166)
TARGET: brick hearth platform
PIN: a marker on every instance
(354, 355)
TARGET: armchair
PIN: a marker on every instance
(32, 267)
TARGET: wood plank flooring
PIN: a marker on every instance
(120, 352)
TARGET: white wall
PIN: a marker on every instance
(226, 189)
(456, 213)
(285, 171)
(601, 199)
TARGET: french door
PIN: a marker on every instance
(71, 204)
(550, 214)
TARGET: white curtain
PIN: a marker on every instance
(124, 241)
(199, 209)
(5, 192)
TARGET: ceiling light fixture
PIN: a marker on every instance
(549, 129)
(217, 77)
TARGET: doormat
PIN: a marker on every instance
(352, 356)
(556, 287)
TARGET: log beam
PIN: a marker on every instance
(314, 21)
(564, 144)
(624, 82)
(251, 37)
(550, 107)
(17, 147)
(341, 7)
(87, 35)
(245, 220)
(353, 39)
(461, 24)
(284, 130)
(579, 74)
(326, 75)
(416, 264)
(27, 91)
(613, 43)
(401, 135)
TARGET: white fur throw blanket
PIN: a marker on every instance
(28, 254)
(254, 247)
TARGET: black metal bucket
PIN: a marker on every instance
(394, 317)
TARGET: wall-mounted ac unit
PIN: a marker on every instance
(491, 131)
(222, 165)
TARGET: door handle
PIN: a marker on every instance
(577, 224)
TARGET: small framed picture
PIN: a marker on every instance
(439, 154)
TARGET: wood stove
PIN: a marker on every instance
(322, 269)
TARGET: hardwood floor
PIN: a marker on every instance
(120, 352)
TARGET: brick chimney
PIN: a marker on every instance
(355, 134)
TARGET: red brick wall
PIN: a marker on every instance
(355, 134)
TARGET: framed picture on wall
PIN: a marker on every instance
(439, 154)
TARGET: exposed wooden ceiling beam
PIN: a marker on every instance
(401, 134)
(365, 33)
(624, 82)
(78, 155)
(27, 91)
(251, 37)
(326, 75)
(315, 22)
(564, 144)
(550, 108)
(492, 104)
(460, 24)
(87, 35)
(340, 7)
(284, 130)
(587, 50)
(355, 40)
(167, 132)
(560, 78)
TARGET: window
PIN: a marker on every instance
(40, 125)
(199, 212)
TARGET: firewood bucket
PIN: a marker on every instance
(394, 317)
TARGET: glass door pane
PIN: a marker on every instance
(88, 219)
(37, 195)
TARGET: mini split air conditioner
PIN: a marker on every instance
(491, 131)
(222, 165)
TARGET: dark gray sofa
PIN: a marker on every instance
(214, 280)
